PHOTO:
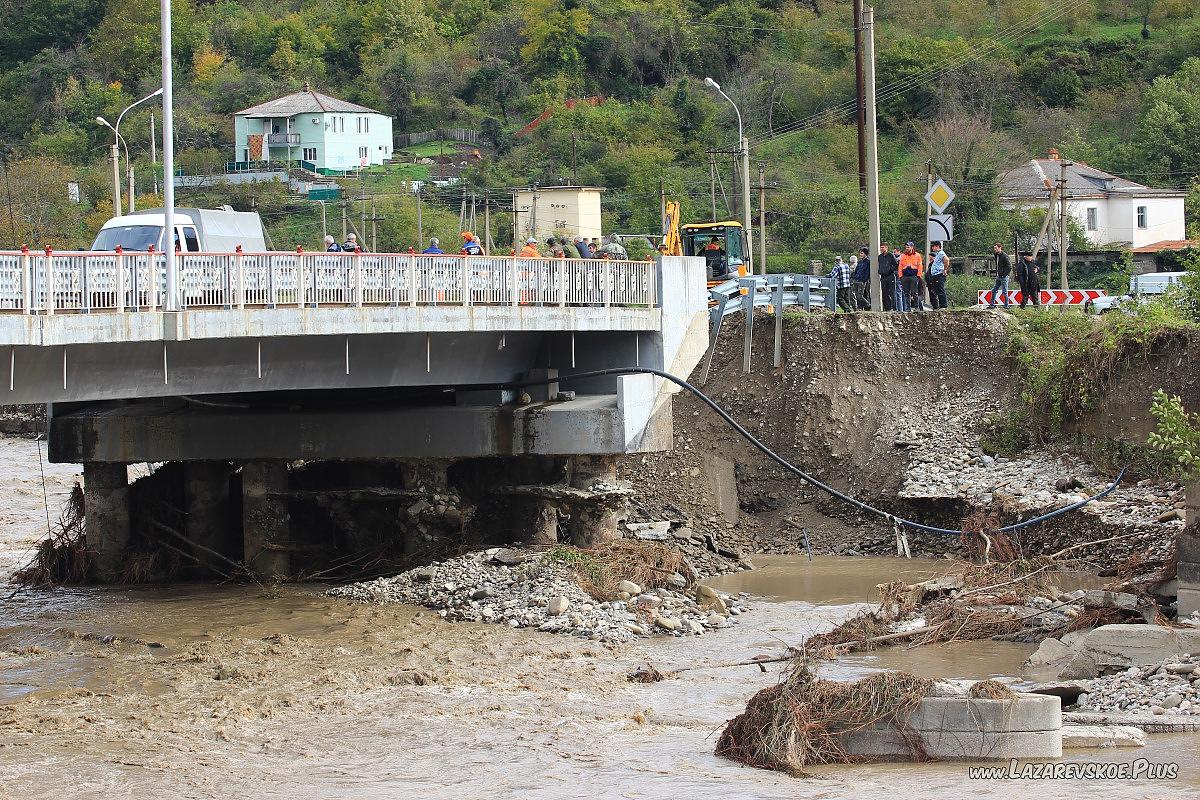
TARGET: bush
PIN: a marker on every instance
(962, 291)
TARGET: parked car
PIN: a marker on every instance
(1141, 287)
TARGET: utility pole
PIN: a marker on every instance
(662, 207)
(154, 154)
(574, 153)
(712, 183)
(1062, 227)
(362, 201)
(928, 208)
(345, 230)
(868, 26)
(168, 145)
(745, 145)
(487, 223)
(762, 218)
(516, 213)
(374, 219)
(862, 105)
(115, 154)
(420, 227)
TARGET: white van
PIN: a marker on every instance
(197, 230)
(1150, 284)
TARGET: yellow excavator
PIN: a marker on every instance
(721, 244)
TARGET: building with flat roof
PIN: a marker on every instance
(545, 211)
(327, 134)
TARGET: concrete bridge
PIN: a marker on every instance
(278, 357)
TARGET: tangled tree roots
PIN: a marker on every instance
(983, 542)
(804, 720)
(63, 557)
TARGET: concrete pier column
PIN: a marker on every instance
(206, 491)
(593, 523)
(106, 506)
(266, 526)
(535, 521)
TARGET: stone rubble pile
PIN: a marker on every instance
(1036, 483)
(524, 589)
(1167, 687)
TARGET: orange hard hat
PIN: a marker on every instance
(466, 235)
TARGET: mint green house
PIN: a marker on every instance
(330, 135)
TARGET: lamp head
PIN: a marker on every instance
(103, 121)
(711, 84)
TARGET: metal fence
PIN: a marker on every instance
(47, 283)
(465, 135)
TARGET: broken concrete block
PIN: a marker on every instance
(650, 531)
(1080, 736)
(1188, 602)
(1138, 645)
(1049, 651)
(1102, 598)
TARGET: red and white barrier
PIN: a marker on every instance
(1049, 297)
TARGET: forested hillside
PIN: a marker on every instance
(972, 86)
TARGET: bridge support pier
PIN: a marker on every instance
(206, 490)
(594, 523)
(266, 525)
(1187, 547)
(106, 505)
(535, 520)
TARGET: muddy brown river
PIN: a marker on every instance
(200, 691)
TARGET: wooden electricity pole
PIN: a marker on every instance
(762, 218)
(868, 27)
(862, 105)
(487, 223)
(420, 227)
(712, 183)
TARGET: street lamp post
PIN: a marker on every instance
(744, 150)
(118, 139)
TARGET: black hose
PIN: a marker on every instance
(790, 467)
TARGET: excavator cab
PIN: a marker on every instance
(721, 244)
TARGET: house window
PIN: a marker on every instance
(358, 124)
(1141, 217)
(1091, 219)
(366, 124)
(310, 154)
(362, 152)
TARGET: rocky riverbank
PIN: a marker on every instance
(1168, 687)
(529, 589)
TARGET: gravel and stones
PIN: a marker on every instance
(522, 589)
(1168, 687)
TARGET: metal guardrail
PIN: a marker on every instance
(91, 282)
(776, 291)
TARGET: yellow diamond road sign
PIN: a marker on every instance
(939, 196)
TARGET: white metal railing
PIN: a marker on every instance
(47, 282)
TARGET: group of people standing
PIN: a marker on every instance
(904, 277)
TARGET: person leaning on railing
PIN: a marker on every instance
(530, 249)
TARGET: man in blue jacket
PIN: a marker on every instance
(860, 281)
(434, 249)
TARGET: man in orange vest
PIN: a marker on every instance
(530, 249)
(911, 269)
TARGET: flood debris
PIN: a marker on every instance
(63, 557)
(804, 720)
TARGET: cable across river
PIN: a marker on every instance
(805, 476)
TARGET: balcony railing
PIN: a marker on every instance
(47, 282)
(283, 138)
